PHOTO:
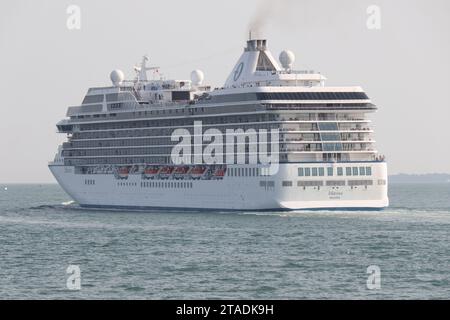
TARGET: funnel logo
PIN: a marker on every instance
(238, 71)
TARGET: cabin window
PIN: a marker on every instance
(330, 171)
(362, 171)
(348, 171)
(287, 184)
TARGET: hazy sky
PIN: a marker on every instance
(404, 66)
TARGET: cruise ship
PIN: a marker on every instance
(272, 138)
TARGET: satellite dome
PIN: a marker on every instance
(287, 59)
(197, 77)
(117, 77)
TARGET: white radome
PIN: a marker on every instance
(287, 59)
(117, 77)
(197, 77)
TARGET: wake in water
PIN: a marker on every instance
(410, 204)
(443, 212)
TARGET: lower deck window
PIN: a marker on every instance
(335, 183)
(356, 183)
(310, 183)
(267, 184)
(287, 183)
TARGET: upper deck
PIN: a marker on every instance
(257, 79)
(133, 120)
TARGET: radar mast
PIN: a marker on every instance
(141, 71)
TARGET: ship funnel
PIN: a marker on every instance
(253, 63)
(256, 45)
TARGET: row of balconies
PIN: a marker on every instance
(320, 149)
(307, 147)
(323, 118)
(315, 129)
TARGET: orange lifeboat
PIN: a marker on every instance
(150, 172)
(181, 172)
(219, 173)
(166, 172)
(198, 172)
(122, 173)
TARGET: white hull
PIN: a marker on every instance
(231, 193)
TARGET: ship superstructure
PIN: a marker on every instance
(120, 141)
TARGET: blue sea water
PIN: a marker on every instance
(196, 255)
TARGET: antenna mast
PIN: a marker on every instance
(141, 71)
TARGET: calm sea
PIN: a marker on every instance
(188, 255)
